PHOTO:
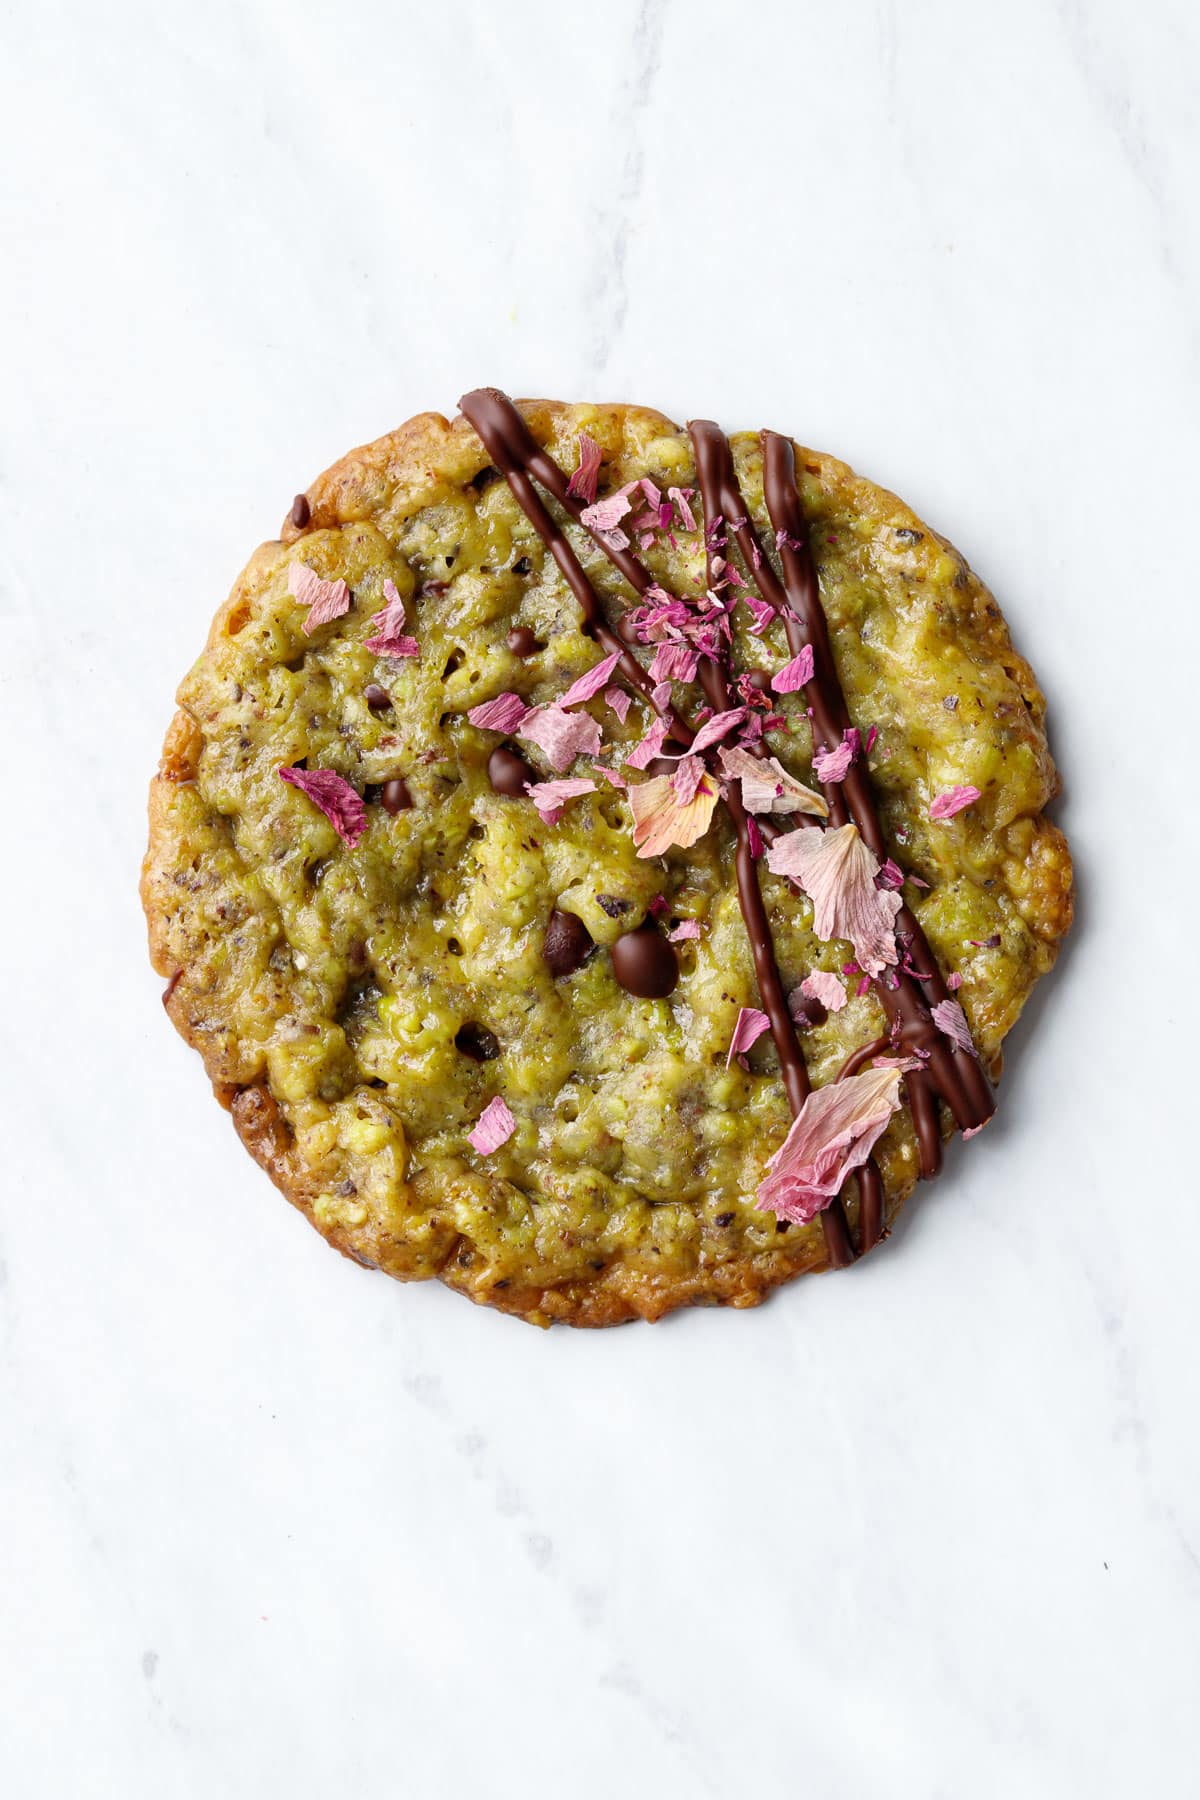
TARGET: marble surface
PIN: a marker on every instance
(276, 1526)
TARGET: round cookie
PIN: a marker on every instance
(487, 1037)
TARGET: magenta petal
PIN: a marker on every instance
(341, 803)
(494, 1127)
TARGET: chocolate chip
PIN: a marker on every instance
(723, 1219)
(522, 566)
(758, 678)
(645, 964)
(484, 479)
(301, 512)
(477, 1042)
(567, 944)
(508, 772)
(907, 535)
(395, 796)
(376, 697)
(613, 905)
(521, 641)
(782, 1224)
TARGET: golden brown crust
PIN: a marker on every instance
(426, 461)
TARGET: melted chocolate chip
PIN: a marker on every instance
(376, 697)
(522, 566)
(395, 796)
(477, 1042)
(645, 964)
(301, 512)
(723, 1219)
(508, 772)
(613, 905)
(758, 678)
(567, 944)
(484, 479)
(521, 641)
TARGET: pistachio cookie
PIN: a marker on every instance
(598, 862)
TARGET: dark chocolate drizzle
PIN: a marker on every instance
(948, 1073)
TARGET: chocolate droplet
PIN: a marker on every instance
(376, 697)
(567, 944)
(301, 512)
(645, 964)
(522, 566)
(521, 641)
(477, 1042)
(396, 797)
(508, 772)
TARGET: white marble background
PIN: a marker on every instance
(275, 1526)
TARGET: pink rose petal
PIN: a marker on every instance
(833, 1134)
(619, 700)
(953, 801)
(763, 613)
(341, 804)
(661, 823)
(837, 871)
(954, 981)
(613, 775)
(592, 682)
(833, 765)
(674, 662)
(825, 986)
(325, 600)
(950, 1018)
(680, 497)
(658, 907)
(560, 735)
(687, 778)
(766, 785)
(754, 837)
(719, 726)
(687, 928)
(583, 482)
(389, 638)
(506, 713)
(604, 516)
(650, 746)
(494, 1127)
(890, 875)
(551, 796)
(749, 1028)
(795, 674)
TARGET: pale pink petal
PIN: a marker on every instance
(674, 662)
(605, 516)
(583, 482)
(650, 746)
(325, 600)
(890, 875)
(953, 801)
(687, 928)
(749, 1028)
(562, 736)
(719, 726)
(619, 700)
(954, 981)
(613, 775)
(653, 496)
(826, 987)
(762, 610)
(795, 674)
(950, 1018)
(766, 785)
(687, 778)
(340, 803)
(551, 796)
(837, 871)
(681, 496)
(974, 1130)
(661, 695)
(494, 1127)
(389, 638)
(661, 823)
(833, 765)
(592, 682)
(834, 1133)
(507, 712)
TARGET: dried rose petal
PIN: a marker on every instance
(494, 1127)
(766, 785)
(833, 1133)
(890, 875)
(834, 765)
(749, 1028)
(619, 700)
(687, 928)
(661, 823)
(953, 801)
(389, 638)
(950, 1018)
(551, 796)
(325, 600)
(762, 611)
(825, 986)
(687, 778)
(604, 516)
(560, 735)
(661, 695)
(592, 682)
(650, 746)
(719, 726)
(674, 662)
(795, 674)
(754, 838)
(583, 482)
(341, 804)
(507, 712)
(837, 871)
(954, 981)
(613, 775)
(680, 497)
